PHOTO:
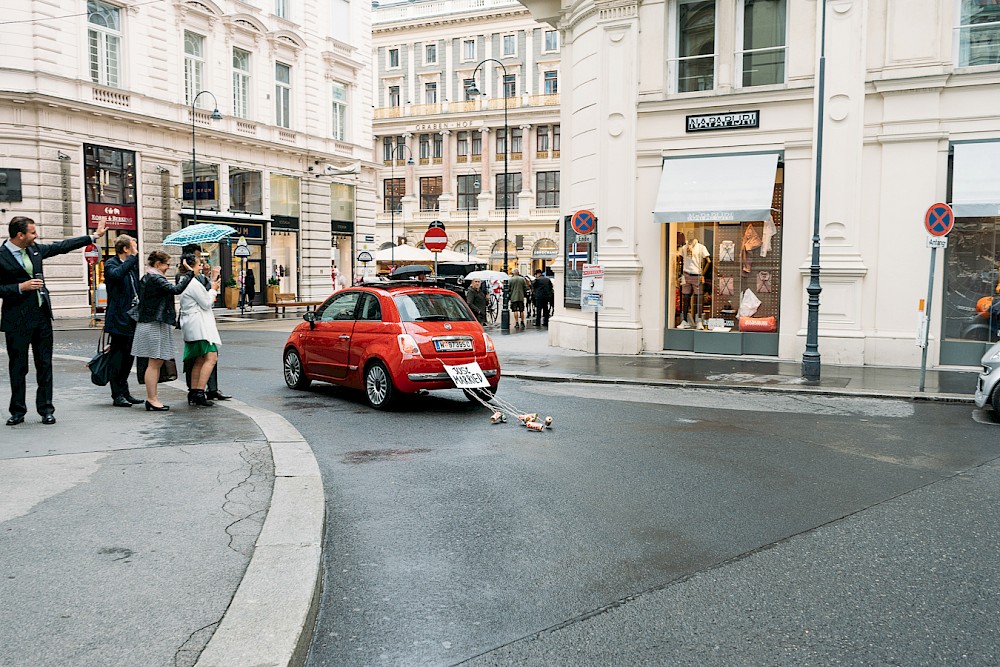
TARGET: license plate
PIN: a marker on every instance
(452, 345)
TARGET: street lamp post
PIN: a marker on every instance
(505, 304)
(392, 204)
(810, 358)
(194, 153)
(468, 229)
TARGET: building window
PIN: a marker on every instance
(425, 146)
(394, 96)
(104, 38)
(555, 137)
(515, 140)
(438, 145)
(284, 195)
(245, 191)
(430, 192)
(477, 142)
(507, 196)
(194, 65)
(393, 58)
(283, 95)
(339, 111)
(542, 139)
(342, 202)
(979, 33)
(469, 49)
(341, 28)
(389, 145)
(551, 41)
(509, 85)
(241, 83)
(467, 86)
(763, 54)
(501, 143)
(547, 189)
(462, 144)
(205, 186)
(430, 93)
(469, 188)
(109, 174)
(550, 84)
(695, 45)
(430, 54)
(509, 45)
(281, 8)
(393, 193)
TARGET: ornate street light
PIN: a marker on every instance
(474, 92)
(392, 204)
(810, 358)
(194, 154)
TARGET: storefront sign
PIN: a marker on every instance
(206, 190)
(453, 125)
(252, 231)
(341, 227)
(723, 121)
(112, 215)
(285, 223)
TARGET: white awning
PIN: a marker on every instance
(723, 187)
(975, 181)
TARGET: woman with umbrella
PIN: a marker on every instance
(201, 335)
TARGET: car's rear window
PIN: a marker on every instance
(432, 307)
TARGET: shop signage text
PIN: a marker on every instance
(723, 121)
(452, 125)
(114, 216)
(206, 190)
(252, 231)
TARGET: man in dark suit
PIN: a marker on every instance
(121, 276)
(26, 315)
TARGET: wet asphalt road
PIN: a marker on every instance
(650, 526)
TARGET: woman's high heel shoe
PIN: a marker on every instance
(152, 408)
(201, 399)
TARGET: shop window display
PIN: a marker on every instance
(972, 280)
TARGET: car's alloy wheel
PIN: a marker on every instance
(378, 386)
(295, 377)
(995, 400)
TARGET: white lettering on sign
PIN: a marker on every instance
(467, 376)
(425, 127)
(723, 121)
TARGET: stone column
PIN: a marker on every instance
(447, 199)
(525, 198)
(485, 177)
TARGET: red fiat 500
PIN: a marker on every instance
(388, 339)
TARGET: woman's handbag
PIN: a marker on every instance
(133, 311)
(100, 363)
(168, 370)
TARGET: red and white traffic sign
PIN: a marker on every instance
(92, 254)
(435, 239)
(939, 219)
(584, 222)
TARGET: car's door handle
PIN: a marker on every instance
(344, 337)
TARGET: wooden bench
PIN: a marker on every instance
(284, 300)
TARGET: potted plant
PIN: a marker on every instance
(232, 294)
(272, 290)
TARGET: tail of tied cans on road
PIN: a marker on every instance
(467, 376)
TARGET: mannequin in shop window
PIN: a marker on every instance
(695, 261)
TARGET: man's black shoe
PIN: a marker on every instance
(15, 420)
(48, 419)
(133, 400)
(122, 402)
(216, 396)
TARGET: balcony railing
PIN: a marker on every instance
(412, 12)
(464, 106)
(388, 112)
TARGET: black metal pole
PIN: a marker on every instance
(392, 209)
(811, 358)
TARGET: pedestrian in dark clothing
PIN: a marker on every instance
(477, 301)
(205, 278)
(541, 288)
(249, 287)
(121, 276)
(26, 314)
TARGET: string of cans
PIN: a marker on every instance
(502, 410)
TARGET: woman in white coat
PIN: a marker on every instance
(201, 336)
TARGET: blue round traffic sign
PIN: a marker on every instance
(584, 222)
(939, 219)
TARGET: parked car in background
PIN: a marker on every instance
(988, 385)
(387, 339)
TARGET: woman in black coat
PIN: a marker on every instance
(249, 287)
(154, 331)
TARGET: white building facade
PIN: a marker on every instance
(106, 110)
(425, 59)
(695, 120)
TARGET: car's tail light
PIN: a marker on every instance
(407, 345)
(489, 343)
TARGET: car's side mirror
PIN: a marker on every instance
(310, 317)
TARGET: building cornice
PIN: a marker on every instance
(452, 19)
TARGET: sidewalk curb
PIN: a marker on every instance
(910, 395)
(271, 617)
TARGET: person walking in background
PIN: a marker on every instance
(205, 278)
(518, 290)
(26, 314)
(121, 275)
(154, 332)
(477, 301)
(201, 335)
(250, 287)
(543, 293)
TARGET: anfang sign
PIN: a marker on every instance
(723, 121)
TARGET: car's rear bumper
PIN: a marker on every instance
(442, 376)
(416, 374)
